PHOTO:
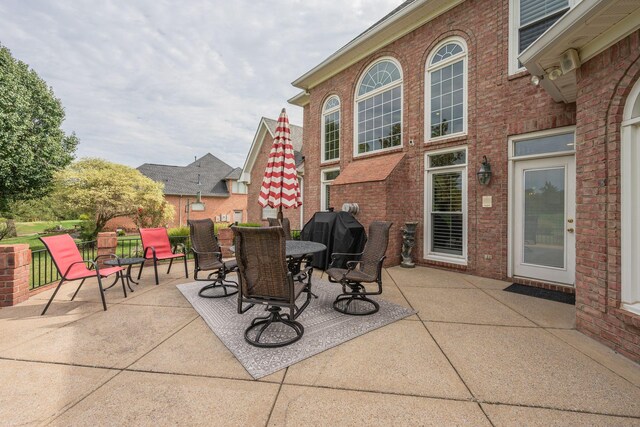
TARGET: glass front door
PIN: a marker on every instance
(544, 219)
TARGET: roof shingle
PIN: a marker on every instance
(206, 175)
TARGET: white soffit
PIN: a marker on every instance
(590, 28)
(300, 99)
(402, 23)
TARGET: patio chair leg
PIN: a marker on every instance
(104, 303)
(155, 269)
(52, 297)
(186, 272)
(77, 290)
(124, 289)
(170, 264)
(140, 271)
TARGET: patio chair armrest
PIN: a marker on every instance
(351, 265)
(85, 261)
(217, 254)
(153, 251)
(335, 255)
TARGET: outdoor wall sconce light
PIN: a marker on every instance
(484, 174)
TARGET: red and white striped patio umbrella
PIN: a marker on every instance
(280, 183)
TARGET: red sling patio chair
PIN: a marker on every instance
(156, 245)
(71, 266)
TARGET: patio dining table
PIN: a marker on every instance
(298, 248)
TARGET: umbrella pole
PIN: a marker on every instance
(280, 216)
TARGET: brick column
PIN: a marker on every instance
(107, 243)
(225, 239)
(15, 267)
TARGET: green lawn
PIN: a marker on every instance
(33, 242)
(27, 228)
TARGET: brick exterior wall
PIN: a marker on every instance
(604, 83)
(254, 210)
(499, 106)
(15, 266)
(213, 206)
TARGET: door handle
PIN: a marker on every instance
(570, 230)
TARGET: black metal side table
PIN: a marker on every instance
(125, 262)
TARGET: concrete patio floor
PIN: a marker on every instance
(473, 355)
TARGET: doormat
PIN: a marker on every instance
(557, 296)
(324, 327)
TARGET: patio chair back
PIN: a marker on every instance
(204, 242)
(285, 224)
(64, 252)
(262, 264)
(159, 239)
(375, 248)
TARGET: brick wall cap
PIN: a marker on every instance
(367, 170)
(14, 248)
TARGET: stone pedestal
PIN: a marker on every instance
(408, 240)
(15, 267)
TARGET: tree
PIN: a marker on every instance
(105, 190)
(32, 144)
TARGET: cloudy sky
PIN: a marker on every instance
(158, 81)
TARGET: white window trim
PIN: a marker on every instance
(428, 171)
(510, 177)
(322, 130)
(514, 27)
(427, 91)
(374, 93)
(323, 183)
(267, 209)
(629, 209)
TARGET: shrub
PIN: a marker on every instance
(178, 232)
(249, 224)
(88, 231)
(84, 217)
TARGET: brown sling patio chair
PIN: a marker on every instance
(368, 269)
(265, 279)
(208, 257)
(71, 266)
(156, 245)
(284, 223)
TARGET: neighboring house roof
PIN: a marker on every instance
(369, 170)
(589, 28)
(234, 174)
(206, 175)
(267, 130)
(401, 21)
(296, 132)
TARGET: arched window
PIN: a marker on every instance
(446, 94)
(379, 108)
(630, 202)
(331, 129)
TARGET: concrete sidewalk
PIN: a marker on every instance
(473, 355)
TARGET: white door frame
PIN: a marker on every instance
(510, 181)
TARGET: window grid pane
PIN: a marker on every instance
(446, 213)
(445, 52)
(333, 102)
(379, 121)
(447, 100)
(332, 136)
(381, 74)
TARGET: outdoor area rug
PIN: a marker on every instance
(542, 293)
(324, 327)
